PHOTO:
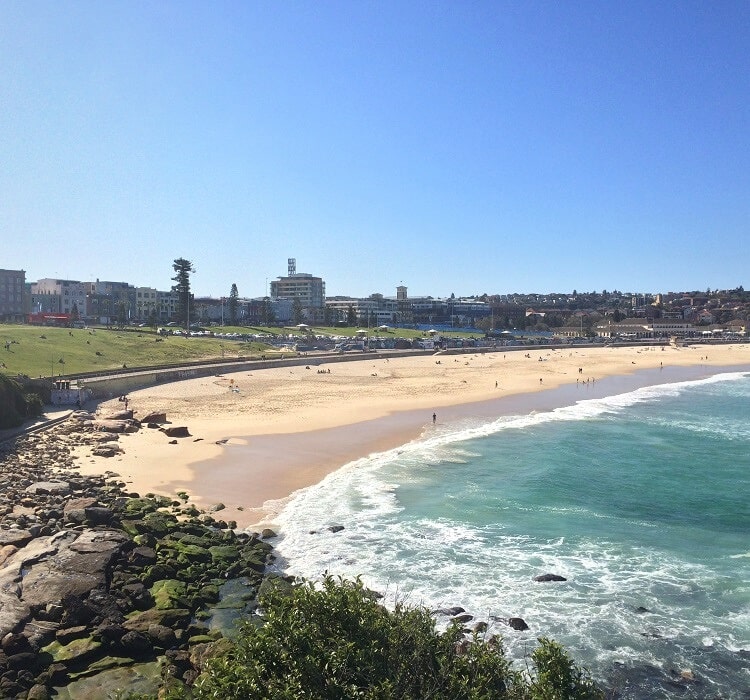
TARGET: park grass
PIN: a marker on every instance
(43, 351)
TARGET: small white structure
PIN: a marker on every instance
(66, 393)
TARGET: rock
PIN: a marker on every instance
(169, 593)
(135, 644)
(172, 617)
(7, 551)
(336, 528)
(68, 564)
(517, 623)
(450, 612)
(217, 507)
(107, 450)
(14, 644)
(38, 692)
(154, 417)
(124, 414)
(544, 578)
(74, 652)
(18, 538)
(161, 636)
(464, 617)
(267, 533)
(68, 634)
(79, 504)
(115, 426)
(141, 557)
(22, 660)
(176, 431)
(56, 488)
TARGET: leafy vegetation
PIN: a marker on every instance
(182, 268)
(17, 402)
(336, 642)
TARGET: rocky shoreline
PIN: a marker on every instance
(94, 577)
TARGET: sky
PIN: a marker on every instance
(454, 147)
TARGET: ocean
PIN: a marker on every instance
(640, 500)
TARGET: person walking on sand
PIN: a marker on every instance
(434, 418)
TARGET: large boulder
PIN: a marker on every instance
(546, 578)
(53, 488)
(517, 623)
(68, 563)
(154, 417)
(176, 431)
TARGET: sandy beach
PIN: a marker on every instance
(259, 436)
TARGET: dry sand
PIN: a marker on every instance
(259, 436)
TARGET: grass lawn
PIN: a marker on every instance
(44, 351)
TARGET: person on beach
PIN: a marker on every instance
(434, 418)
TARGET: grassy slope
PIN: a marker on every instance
(39, 351)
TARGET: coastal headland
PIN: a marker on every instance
(255, 437)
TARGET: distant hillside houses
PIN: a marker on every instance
(300, 297)
(635, 328)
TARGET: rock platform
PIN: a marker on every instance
(93, 577)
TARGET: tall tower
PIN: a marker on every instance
(291, 267)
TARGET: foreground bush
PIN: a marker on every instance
(336, 642)
(17, 404)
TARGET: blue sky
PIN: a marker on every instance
(454, 147)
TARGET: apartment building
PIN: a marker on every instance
(12, 293)
(308, 289)
(51, 295)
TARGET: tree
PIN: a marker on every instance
(122, 314)
(268, 314)
(183, 268)
(336, 641)
(351, 316)
(296, 311)
(74, 315)
(233, 296)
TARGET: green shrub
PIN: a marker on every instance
(336, 642)
(16, 403)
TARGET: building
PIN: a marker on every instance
(166, 304)
(50, 295)
(147, 304)
(309, 290)
(373, 311)
(12, 295)
(111, 302)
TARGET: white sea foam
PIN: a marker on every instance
(635, 601)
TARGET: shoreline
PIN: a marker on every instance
(284, 430)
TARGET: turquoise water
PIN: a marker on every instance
(641, 501)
